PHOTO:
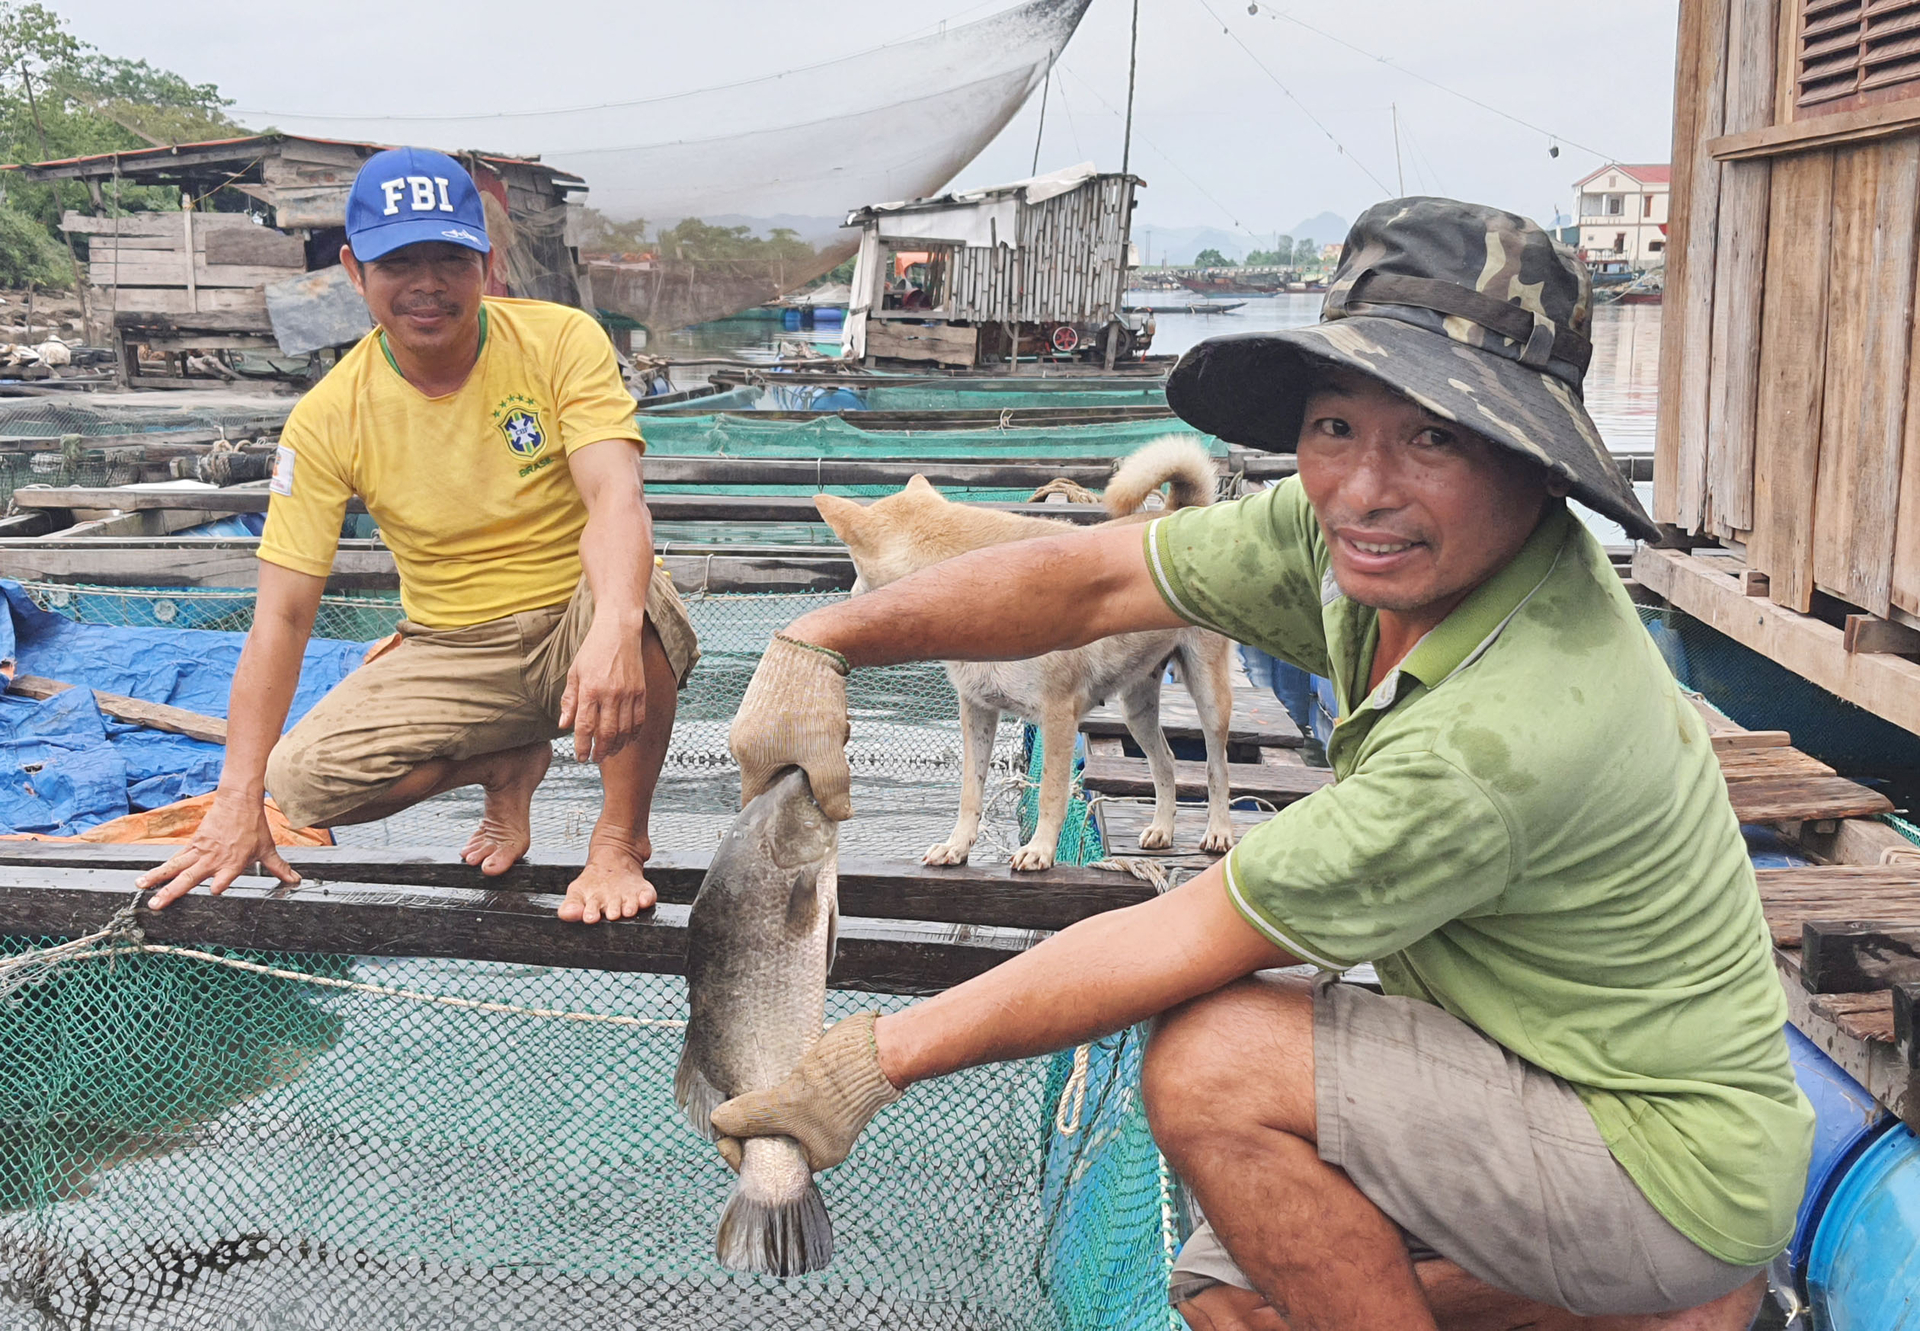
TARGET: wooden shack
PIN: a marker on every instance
(1035, 267)
(1789, 426)
(263, 212)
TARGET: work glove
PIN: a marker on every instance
(794, 714)
(823, 1104)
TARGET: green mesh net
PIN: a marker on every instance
(240, 1141)
(838, 437)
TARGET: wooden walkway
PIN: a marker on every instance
(905, 928)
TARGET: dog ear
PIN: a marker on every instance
(838, 513)
(919, 482)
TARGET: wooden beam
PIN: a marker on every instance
(1789, 898)
(475, 924)
(1258, 718)
(1906, 999)
(152, 715)
(223, 562)
(1858, 956)
(664, 507)
(1774, 799)
(877, 889)
(1278, 785)
(1888, 686)
(1885, 121)
(1734, 740)
(1875, 1064)
(1870, 633)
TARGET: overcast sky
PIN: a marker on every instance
(1216, 137)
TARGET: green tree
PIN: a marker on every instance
(600, 234)
(1212, 258)
(1307, 254)
(692, 238)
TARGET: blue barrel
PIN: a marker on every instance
(1863, 1272)
(1846, 1121)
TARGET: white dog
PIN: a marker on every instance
(918, 527)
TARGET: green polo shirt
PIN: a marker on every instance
(1528, 828)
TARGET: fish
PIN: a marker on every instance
(760, 941)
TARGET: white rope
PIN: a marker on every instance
(1066, 1121)
(47, 958)
(23, 968)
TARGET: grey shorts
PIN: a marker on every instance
(1483, 1159)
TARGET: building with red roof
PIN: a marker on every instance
(1621, 213)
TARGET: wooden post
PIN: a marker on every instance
(193, 291)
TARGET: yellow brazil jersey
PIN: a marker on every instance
(471, 490)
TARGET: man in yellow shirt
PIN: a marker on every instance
(495, 445)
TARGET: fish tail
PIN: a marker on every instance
(775, 1223)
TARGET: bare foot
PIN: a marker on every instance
(506, 824)
(613, 886)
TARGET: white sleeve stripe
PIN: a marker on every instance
(1165, 584)
(1260, 922)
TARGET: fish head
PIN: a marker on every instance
(788, 823)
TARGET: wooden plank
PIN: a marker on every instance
(1770, 799)
(230, 562)
(235, 302)
(1739, 272)
(1792, 376)
(124, 271)
(1867, 1017)
(1258, 718)
(1887, 686)
(476, 924)
(1875, 1064)
(877, 889)
(939, 343)
(1906, 1004)
(1694, 377)
(1858, 956)
(1876, 203)
(1686, 132)
(1870, 633)
(1739, 764)
(259, 245)
(1789, 898)
(1840, 129)
(1731, 740)
(166, 225)
(1278, 785)
(665, 507)
(152, 715)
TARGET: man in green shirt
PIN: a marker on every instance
(1572, 1105)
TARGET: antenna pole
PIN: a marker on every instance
(1133, 63)
(1045, 88)
(1399, 173)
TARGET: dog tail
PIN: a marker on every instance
(1177, 461)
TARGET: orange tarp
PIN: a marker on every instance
(175, 824)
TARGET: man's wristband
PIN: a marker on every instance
(840, 662)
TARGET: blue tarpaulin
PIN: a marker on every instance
(64, 767)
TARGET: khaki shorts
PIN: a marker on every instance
(1484, 1159)
(448, 693)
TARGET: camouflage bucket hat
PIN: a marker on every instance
(1474, 313)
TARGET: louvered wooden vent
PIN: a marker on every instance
(1857, 50)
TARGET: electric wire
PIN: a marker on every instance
(1339, 146)
(1552, 137)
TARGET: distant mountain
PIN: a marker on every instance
(1178, 244)
(1323, 228)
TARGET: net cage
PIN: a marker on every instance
(220, 1139)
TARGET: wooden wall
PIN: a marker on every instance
(1789, 419)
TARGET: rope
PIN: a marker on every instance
(1067, 1122)
(25, 967)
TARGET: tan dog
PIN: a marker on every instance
(918, 527)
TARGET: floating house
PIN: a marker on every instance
(264, 231)
(1035, 267)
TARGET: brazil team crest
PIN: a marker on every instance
(519, 420)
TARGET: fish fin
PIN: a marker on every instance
(833, 932)
(775, 1237)
(695, 1095)
(803, 901)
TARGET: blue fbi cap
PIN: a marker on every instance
(407, 195)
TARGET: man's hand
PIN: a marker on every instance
(794, 714)
(606, 695)
(823, 1104)
(230, 841)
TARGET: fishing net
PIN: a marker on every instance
(838, 437)
(237, 1141)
